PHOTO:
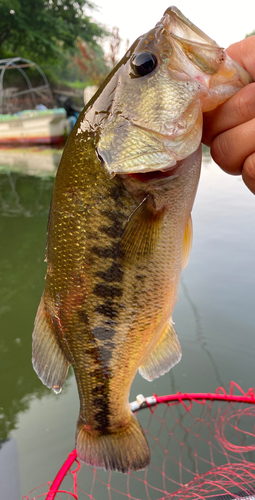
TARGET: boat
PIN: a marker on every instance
(36, 124)
(48, 126)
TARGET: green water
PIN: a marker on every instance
(215, 314)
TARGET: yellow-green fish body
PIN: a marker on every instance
(120, 232)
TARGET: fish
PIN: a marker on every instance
(120, 232)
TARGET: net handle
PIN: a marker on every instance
(54, 489)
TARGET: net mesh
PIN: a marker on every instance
(200, 448)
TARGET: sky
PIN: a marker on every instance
(225, 21)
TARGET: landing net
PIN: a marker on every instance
(202, 447)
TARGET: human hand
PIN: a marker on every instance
(230, 129)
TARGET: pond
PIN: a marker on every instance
(214, 316)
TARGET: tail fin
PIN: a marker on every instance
(123, 450)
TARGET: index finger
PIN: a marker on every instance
(240, 108)
(243, 52)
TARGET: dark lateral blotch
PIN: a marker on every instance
(116, 192)
(114, 273)
(113, 231)
(103, 333)
(107, 291)
(102, 414)
(83, 316)
(104, 252)
(107, 309)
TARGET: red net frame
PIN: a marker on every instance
(204, 443)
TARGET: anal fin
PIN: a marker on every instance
(49, 361)
(164, 356)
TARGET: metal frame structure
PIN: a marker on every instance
(19, 63)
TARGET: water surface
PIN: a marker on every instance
(215, 314)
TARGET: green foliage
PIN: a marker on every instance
(250, 34)
(43, 30)
(90, 64)
(67, 70)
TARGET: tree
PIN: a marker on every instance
(114, 46)
(91, 63)
(250, 34)
(43, 29)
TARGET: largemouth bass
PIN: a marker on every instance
(120, 232)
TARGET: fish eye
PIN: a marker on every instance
(143, 63)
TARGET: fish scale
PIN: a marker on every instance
(120, 232)
(105, 292)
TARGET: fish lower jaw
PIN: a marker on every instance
(168, 173)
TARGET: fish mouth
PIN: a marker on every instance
(156, 175)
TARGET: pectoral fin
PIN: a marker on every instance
(48, 359)
(142, 232)
(187, 243)
(164, 356)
